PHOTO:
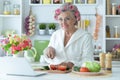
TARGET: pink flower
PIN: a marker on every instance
(56, 17)
(77, 13)
(65, 8)
(57, 11)
(71, 7)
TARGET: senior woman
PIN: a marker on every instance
(68, 45)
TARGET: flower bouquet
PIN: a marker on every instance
(15, 44)
(116, 51)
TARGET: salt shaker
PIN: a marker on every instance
(102, 60)
(108, 65)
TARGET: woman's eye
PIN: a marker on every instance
(67, 18)
(60, 19)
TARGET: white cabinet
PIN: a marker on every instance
(11, 21)
(112, 21)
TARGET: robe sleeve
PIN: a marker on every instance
(51, 43)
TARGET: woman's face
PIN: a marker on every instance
(67, 20)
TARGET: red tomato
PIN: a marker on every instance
(62, 68)
(84, 69)
(53, 67)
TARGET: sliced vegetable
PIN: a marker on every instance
(46, 67)
(53, 67)
(62, 68)
(84, 69)
(76, 68)
(92, 66)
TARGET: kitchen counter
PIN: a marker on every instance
(115, 75)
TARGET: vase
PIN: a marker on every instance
(51, 31)
(19, 54)
(42, 32)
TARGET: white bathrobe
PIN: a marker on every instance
(78, 49)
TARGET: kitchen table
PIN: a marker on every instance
(115, 75)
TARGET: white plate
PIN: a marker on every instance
(89, 73)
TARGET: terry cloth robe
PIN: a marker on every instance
(78, 49)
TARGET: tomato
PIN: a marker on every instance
(84, 69)
(62, 68)
(53, 67)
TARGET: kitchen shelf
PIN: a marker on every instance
(9, 15)
(111, 21)
(112, 16)
(11, 22)
(112, 38)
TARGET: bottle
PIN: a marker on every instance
(6, 8)
(108, 62)
(37, 1)
(108, 7)
(99, 48)
(95, 50)
(108, 35)
(113, 8)
(116, 35)
(32, 1)
(118, 9)
(16, 9)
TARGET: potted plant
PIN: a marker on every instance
(52, 28)
(42, 28)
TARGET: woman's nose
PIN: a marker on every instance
(64, 21)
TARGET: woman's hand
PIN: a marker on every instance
(70, 65)
(50, 52)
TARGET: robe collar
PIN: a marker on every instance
(76, 35)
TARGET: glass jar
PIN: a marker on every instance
(81, 1)
(68, 1)
(116, 34)
(119, 9)
(46, 1)
(56, 1)
(16, 9)
(6, 8)
(91, 1)
(113, 8)
(32, 1)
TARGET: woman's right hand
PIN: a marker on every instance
(50, 52)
